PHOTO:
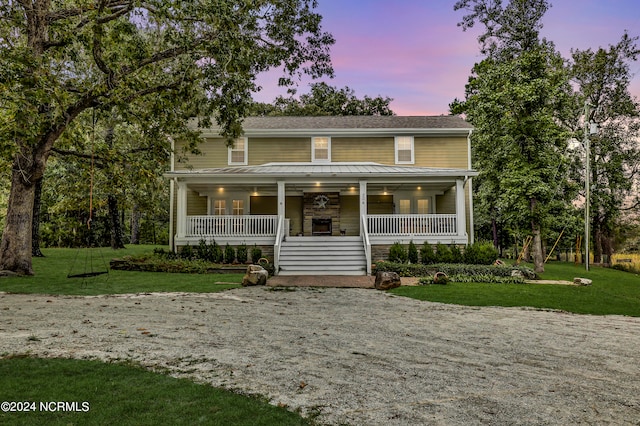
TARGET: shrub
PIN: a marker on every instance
(203, 251)
(412, 253)
(256, 253)
(456, 255)
(398, 254)
(405, 270)
(186, 253)
(242, 253)
(443, 254)
(216, 253)
(481, 253)
(427, 255)
(229, 254)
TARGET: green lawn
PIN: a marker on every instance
(51, 275)
(613, 292)
(106, 394)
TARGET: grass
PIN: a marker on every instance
(51, 275)
(124, 395)
(613, 292)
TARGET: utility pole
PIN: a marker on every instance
(589, 129)
(587, 149)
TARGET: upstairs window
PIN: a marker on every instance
(321, 149)
(238, 152)
(404, 150)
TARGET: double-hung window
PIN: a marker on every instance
(321, 149)
(238, 152)
(404, 150)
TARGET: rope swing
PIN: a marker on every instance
(89, 269)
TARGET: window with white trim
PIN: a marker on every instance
(404, 150)
(219, 207)
(423, 206)
(321, 149)
(238, 152)
(238, 207)
(405, 207)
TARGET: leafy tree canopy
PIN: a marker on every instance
(59, 59)
(326, 100)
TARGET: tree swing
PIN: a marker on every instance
(90, 269)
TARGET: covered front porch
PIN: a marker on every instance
(268, 204)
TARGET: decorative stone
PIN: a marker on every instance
(387, 280)
(255, 275)
(582, 281)
(517, 273)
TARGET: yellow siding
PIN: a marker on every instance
(378, 150)
(441, 152)
(274, 150)
(429, 152)
(350, 214)
(293, 211)
(380, 204)
(446, 204)
(264, 205)
(196, 205)
(214, 153)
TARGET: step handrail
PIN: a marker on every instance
(366, 243)
(278, 244)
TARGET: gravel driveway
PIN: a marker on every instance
(355, 356)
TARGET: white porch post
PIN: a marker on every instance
(281, 198)
(181, 210)
(461, 215)
(363, 199)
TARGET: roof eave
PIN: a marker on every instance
(215, 133)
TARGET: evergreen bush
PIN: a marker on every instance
(427, 255)
(398, 254)
(229, 254)
(481, 253)
(242, 254)
(412, 253)
(256, 253)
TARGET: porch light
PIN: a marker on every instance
(419, 188)
(221, 189)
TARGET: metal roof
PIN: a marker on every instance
(359, 169)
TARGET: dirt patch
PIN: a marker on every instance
(354, 356)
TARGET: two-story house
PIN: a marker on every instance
(327, 194)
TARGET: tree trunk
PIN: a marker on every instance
(494, 232)
(15, 248)
(35, 227)
(135, 225)
(117, 236)
(538, 254)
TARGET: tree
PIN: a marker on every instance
(60, 59)
(603, 77)
(515, 99)
(326, 100)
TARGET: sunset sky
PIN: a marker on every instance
(413, 51)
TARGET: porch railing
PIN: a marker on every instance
(232, 226)
(411, 224)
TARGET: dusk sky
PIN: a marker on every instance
(413, 51)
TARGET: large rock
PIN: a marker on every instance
(582, 281)
(387, 280)
(255, 275)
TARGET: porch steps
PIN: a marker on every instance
(322, 256)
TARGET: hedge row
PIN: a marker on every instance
(478, 253)
(452, 269)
